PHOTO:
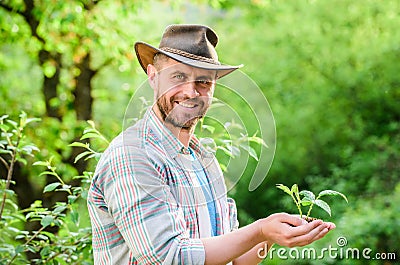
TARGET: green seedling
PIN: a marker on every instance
(306, 198)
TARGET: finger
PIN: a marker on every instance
(307, 228)
(331, 225)
(318, 230)
(292, 220)
(321, 234)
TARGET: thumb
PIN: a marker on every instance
(294, 220)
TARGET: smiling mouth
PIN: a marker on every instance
(186, 104)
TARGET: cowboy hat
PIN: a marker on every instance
(193, 45)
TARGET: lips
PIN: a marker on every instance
(186, 104)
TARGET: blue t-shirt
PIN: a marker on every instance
(205, 185)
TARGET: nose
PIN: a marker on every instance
(189, 90)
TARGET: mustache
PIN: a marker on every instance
(197, 100)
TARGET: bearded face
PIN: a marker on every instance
(182, 112)
(183, 94)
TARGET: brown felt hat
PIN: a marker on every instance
(193, 45)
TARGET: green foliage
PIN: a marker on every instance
(309, 198)
(227, 141)
(71, 244)
(328, 68)
(89, 133)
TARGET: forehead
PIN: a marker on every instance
(172, 66)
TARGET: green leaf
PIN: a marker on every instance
(226, 151)
(250, 150)
(306, 202)
(324, 206)
(90, 135)
(3, 117)
(75, 217)
(332, 193)
(47, 220)
(72, 198)
(4, 127)
(82, 155)
(41, 163)
(28, 149)
(84, 193)
(95, 155)
(295, 188)
(284, 188)
(2, 151)
(91, 123)
(46, 250)
(19, 249)
(308, 195)
(234, 150)
(51, 187)
(29, 120)
(209, 128)
(13, 123)
(89, 130)
(295, 191)
(224, 168)
(22, 160)
(79, 144)
(48, 173)
(257, 140)
(59, 209)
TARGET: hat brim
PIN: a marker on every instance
(145, 54)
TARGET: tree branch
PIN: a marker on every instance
(10, 9)
(4, 163)
(90, 4)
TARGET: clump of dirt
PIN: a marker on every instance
(309, 219)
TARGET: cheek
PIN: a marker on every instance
(165, 90)
(207, 94)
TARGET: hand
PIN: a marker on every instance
(291, 231)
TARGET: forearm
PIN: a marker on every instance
(254, 255)
(225, 248)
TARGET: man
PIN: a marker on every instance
(158, 197)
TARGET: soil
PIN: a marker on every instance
(309, 219)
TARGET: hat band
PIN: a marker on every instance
(190, 55)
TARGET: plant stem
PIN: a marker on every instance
(297, 205)
(27, 242)
(10, 170)
(309, 210)
(311, 206)
(9, 176)
(4, 163)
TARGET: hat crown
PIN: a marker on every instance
(198, 40)
(193, 45)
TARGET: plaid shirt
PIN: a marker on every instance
(142, 201)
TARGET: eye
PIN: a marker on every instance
(204, 83)
(179, 76)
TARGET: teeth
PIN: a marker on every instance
(186, 105)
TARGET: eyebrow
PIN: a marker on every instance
(205, 77)
(178, 72)
(200, 77)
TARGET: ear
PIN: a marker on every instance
(151, 74)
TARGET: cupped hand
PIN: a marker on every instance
(291, 231)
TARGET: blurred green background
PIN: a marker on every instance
(329, 69)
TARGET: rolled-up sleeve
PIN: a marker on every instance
(232, 210)
(144, 210)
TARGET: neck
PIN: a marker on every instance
(183, 134)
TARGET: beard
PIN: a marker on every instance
(176, 116)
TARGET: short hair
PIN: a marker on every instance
(158, 59)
